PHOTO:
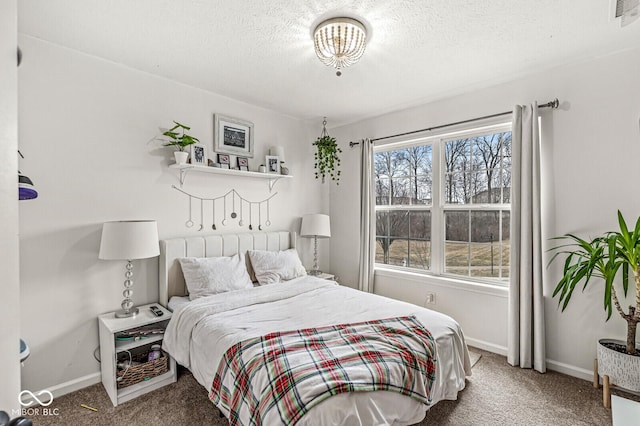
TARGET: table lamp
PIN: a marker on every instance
(129, 240)
(316, 226)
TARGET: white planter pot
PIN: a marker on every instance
(181, 157)
(623, 369)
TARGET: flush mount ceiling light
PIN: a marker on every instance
(340, 42)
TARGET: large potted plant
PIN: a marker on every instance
(612, 259)
(180, 140)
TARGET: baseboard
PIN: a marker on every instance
(75, 384)
(570, 370)
(67, 387)
(489, 347)
(560, 367)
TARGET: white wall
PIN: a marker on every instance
(591, 147)
(87, 126)
(9, 288)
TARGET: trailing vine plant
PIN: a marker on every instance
(327, 161)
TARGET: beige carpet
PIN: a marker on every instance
(496, 394)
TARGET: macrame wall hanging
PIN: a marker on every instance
(230, 205)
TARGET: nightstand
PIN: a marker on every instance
(326, 276)
(125, 339)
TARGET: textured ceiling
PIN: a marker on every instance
(261, 51)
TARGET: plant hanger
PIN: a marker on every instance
(327, 161)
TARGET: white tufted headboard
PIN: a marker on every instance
(170, 273)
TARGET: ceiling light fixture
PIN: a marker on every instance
(340, 42)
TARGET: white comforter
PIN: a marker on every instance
(201, 331)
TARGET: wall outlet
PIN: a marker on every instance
(430, 299)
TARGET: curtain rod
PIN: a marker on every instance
(551, 104)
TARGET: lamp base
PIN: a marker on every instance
(127, 313)
(315, 272)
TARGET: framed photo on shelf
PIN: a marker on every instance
(224, 161)
(243, 163)
(273, 164)
(199, 154)
(232, 136)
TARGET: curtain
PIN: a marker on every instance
(526, 340)
(367, 217)
(630, 11)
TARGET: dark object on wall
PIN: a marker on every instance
(26, 189)
(24, 350)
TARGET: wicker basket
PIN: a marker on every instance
(143, 371)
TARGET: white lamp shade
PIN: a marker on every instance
(127, 240)
(277, 151)
(315, 225)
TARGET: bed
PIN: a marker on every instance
(202, 331)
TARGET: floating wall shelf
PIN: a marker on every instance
(186, 168)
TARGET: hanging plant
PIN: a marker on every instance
(327, 161)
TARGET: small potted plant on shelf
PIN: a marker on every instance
(611, 257)
(179, 139)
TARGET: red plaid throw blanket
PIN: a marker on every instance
(277, 378)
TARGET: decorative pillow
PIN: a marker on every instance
(275, 266)
(212, 275)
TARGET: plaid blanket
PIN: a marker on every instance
(277, 378)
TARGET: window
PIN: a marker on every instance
(443, 203)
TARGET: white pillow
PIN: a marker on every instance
(275, 266)
(212, 275)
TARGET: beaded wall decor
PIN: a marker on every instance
(234, 206)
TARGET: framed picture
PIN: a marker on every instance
(232, 136)
(199, 154)
(243, 164)
(224, 161)
(273, 164)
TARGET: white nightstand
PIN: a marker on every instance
(114, 349)
(326, 276)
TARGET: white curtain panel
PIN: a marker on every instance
(526, 334)
(630, 11)
(367, 217)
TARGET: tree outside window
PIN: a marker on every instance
(472, 204)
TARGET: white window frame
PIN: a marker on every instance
(438, 206)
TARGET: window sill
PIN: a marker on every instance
(465, 285)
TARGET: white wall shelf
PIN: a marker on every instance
(186, 168)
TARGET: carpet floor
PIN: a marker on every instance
(496, 394)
